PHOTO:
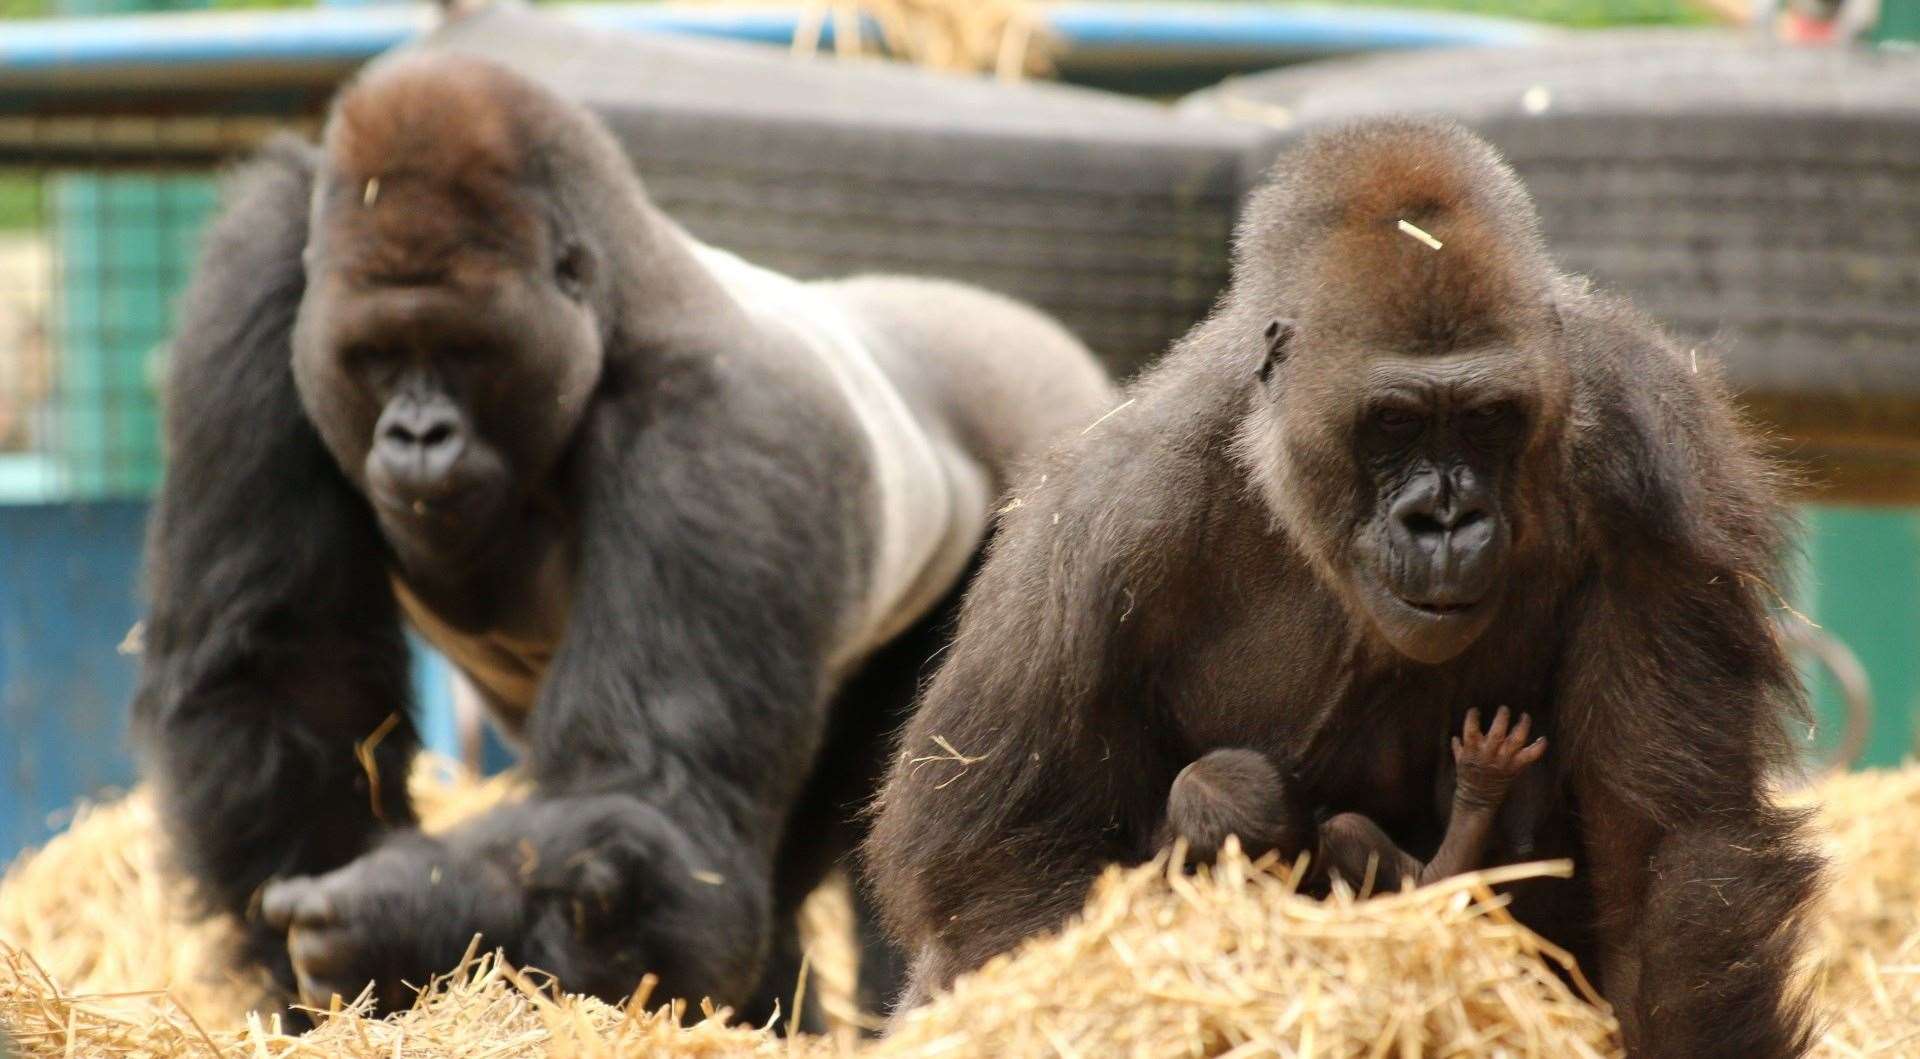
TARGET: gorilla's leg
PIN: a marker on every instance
(831, 820)
(883, 968)
(779, 990)
(1358, 852)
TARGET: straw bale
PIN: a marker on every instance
(97, 957)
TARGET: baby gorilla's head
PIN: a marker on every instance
(1229, 792)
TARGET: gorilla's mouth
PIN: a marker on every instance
(1427, 629)
(447, 532)
(1440, 609)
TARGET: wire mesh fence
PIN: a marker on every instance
(99, 224)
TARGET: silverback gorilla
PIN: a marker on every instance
(687, 525)
(1384, 484)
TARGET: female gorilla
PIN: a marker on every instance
(688, 526)
(1394, 478)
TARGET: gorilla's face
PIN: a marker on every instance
(445, 350)
(1417, 479)
(1437, 442)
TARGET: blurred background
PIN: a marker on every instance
(1749, 172)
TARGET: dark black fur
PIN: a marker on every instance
(1186, 577)
(675, 501)
(273, 644)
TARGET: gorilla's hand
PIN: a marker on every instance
(400, 914)
(1486, 764)
(598, 890)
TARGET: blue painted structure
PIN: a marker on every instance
(351, 33)
(1292, 28)
(69, 595)
(69, 588)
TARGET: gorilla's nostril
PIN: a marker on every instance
(418, 435)
(1424, 524)
(1421, 524)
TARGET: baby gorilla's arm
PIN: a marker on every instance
(1485, 767)
(1239, 792)
(1356, 850)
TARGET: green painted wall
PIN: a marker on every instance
(1899, 20)
(1863, 586)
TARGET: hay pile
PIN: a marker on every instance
(1867, 944)
(1004, 37)
(1227, 964)
(101, 914)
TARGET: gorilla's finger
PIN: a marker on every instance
(1518, 737)
(1498, 732)
(320, 953)
(294, 902)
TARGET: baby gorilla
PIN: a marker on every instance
(1240, 792)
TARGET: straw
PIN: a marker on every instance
(99, 957)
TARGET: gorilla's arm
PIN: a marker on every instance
(680, 716)
(692, 676)
(272, 641)
(1675, 699)
(1027, 767)
(1701, 912)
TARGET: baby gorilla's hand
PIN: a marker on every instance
(1486, 763)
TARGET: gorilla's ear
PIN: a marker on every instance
(573, 269)
(1278, 334)
(597, 893)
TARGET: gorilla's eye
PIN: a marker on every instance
(1395, 422)
(573, 270)
(1495, 421)
(370, 362)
